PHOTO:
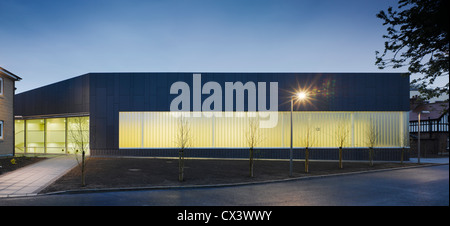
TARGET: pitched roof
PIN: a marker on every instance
(9, 74)
(436, 110)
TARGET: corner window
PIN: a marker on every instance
(1, 86)
(1, 130)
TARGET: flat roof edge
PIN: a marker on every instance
(65, 115)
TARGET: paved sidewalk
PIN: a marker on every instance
(430, 160)
(31, 179)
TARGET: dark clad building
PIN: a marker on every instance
(112, 101)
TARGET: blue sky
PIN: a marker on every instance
(47, 41)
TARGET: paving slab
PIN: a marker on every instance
(31, 179)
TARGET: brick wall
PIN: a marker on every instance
(431, 145)
(7, 116)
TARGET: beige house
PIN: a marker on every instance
(7, 81)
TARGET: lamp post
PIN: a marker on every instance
(418, 143)
(299, 96)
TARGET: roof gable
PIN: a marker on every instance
(9, 74)
(436, 110)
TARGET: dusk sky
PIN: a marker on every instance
(47, 41)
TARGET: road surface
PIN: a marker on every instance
(421, 186)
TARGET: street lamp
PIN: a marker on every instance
(300, 96)
(418, 143)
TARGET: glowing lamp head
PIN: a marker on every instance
(301, 95)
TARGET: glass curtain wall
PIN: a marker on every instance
(51, 135)
(77, 134)
(19, 138)
(55, 135)
(35, 136)
(315, 129)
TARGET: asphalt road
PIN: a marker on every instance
(422, 186)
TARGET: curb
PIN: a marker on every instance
(81, 191)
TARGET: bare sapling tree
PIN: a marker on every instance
(253, 138)
(183, 141)
(307, 140)
(79, 135)
(372, 138)
(342, 136)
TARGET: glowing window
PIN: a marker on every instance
(315, 129)
(19, 139)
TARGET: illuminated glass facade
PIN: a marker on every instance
(51, 135)
(159, 130)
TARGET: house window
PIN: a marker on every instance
(1, 86)
(1, 130)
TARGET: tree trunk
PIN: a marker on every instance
(403, 151)
(371, 156)
(180, 165)
(306, 160)
(340, 158)
(251, 162)
(83, 181)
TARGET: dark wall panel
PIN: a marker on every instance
(381, 154)
(66, 97)
(111, 93)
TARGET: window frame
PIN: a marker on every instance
(1, 129)
(1, 86)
